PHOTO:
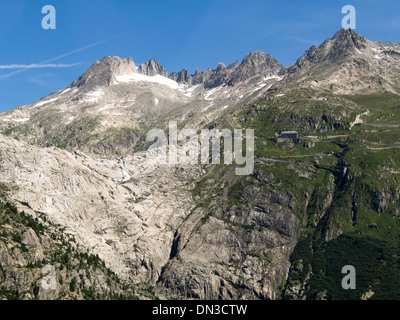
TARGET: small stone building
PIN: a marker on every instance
(289, 135)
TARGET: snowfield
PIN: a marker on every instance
(137, 77)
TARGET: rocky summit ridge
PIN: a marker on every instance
(116, 99)
(348, 63)
(103, 72)
(257, 64)
(346, 57)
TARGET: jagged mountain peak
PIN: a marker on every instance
(256, 56)
(181, 76)
(221, 66)
(336, 50)
(103, 72)
(344, 44)
(347, 63)
(256, 64)
(349, 36)
(234, 65)
(152, 68)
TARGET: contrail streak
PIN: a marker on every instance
(36, 66)
(7, 75)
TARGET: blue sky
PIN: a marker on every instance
(178, 33)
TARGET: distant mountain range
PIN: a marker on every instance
(128, 100)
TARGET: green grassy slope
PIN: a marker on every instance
(342, 183)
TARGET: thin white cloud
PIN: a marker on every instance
(37, 66)
(7, 75)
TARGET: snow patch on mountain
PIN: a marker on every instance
(45, 102)
(65, 91)
(211, 92)
(137, 77)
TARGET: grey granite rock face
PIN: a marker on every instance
(152, 68)
(337, 50)
(256, 64)
(114, 212)
(218, 261)
(182, 77)
(38, 261)
(218, 76)
(103, 71)
(347, 63)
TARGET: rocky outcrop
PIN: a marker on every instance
(40, 262)
(126, 211)
(138, 218)
(152, 68)
(346, 63)
(111, 107)
(182, 77)
(103, 72)
(225, 251)
(225, 260)
(336, 51)
(255, 65)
